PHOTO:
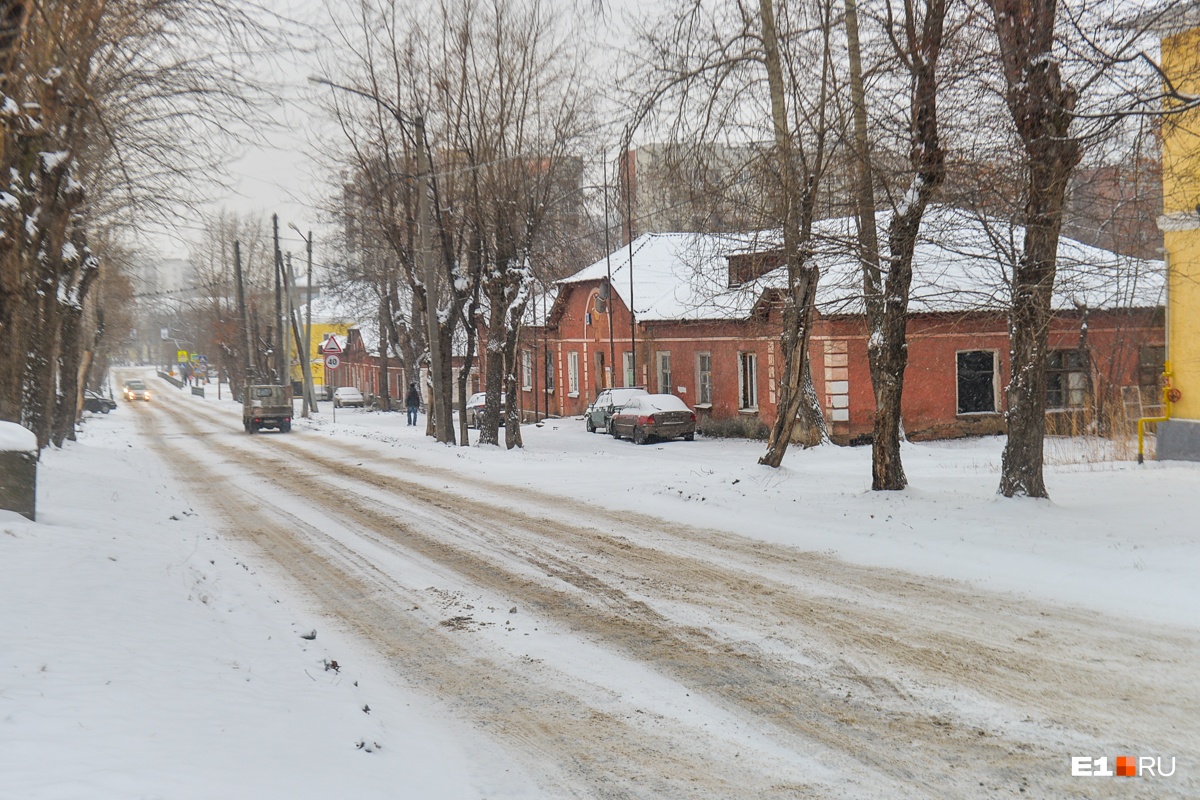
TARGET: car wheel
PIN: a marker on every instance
(591, 426)
(689, 437)
(639, 436)
(254, 427)
(284, 427)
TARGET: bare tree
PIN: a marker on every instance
(1072, 73)
(497, 94)
(101, 102)
(718, 67)
(916, 43)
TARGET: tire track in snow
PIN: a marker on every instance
(879, 625)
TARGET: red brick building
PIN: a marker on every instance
(708, 327)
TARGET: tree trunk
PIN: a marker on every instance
(887, 346)
(494, 383)
(512, 406)
(798, 199)
(1041, 106)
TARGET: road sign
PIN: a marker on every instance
(331, 346)
(181, 356)
(332, 361)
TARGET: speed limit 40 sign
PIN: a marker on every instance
(332, 362)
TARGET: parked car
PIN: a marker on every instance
(606, 404)
(475, 404)
(654, 416)
(347, 396)
(97, 403)
(136, 390)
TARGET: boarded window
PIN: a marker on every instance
(977, 382)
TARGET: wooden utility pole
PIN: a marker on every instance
(241, 301)
(305, 361)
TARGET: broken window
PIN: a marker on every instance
(747, 382)
(1066, 379)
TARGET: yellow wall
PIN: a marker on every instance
(1181, 224)
(319, 330)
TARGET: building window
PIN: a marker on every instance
(549, 373)
(704, 379)
(747, 381)
(627, 364)
(526, 370)
(573, 374)
(1066, 379)
(1151, 362)
(977, 381)
(664, 372)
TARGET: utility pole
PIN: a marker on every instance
(608, 298)
(241, 300)
(305, 361)
(278, 344)
(437, 407)
(308, 350)
(629, 222)
(310, 390)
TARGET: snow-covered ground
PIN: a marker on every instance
(142, 654)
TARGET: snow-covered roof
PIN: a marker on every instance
(962, 263)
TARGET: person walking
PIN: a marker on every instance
(412, 402)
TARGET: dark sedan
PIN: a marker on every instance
(97, 403)
(654, 416)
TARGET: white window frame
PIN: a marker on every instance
(995, 383)
(747, 390)
(662, 358)
(573, 374)
(704, 380)
(527, 370)
(627, 368)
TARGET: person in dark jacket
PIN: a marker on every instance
(412, 402)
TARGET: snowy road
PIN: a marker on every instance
(615, 654)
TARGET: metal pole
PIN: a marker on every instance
(278, 344)
(629, 222)
(608, 302)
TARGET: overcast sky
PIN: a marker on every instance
(281, 175)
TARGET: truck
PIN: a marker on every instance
(265, 406)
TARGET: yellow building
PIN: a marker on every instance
(1179, 437)
(320, 332)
